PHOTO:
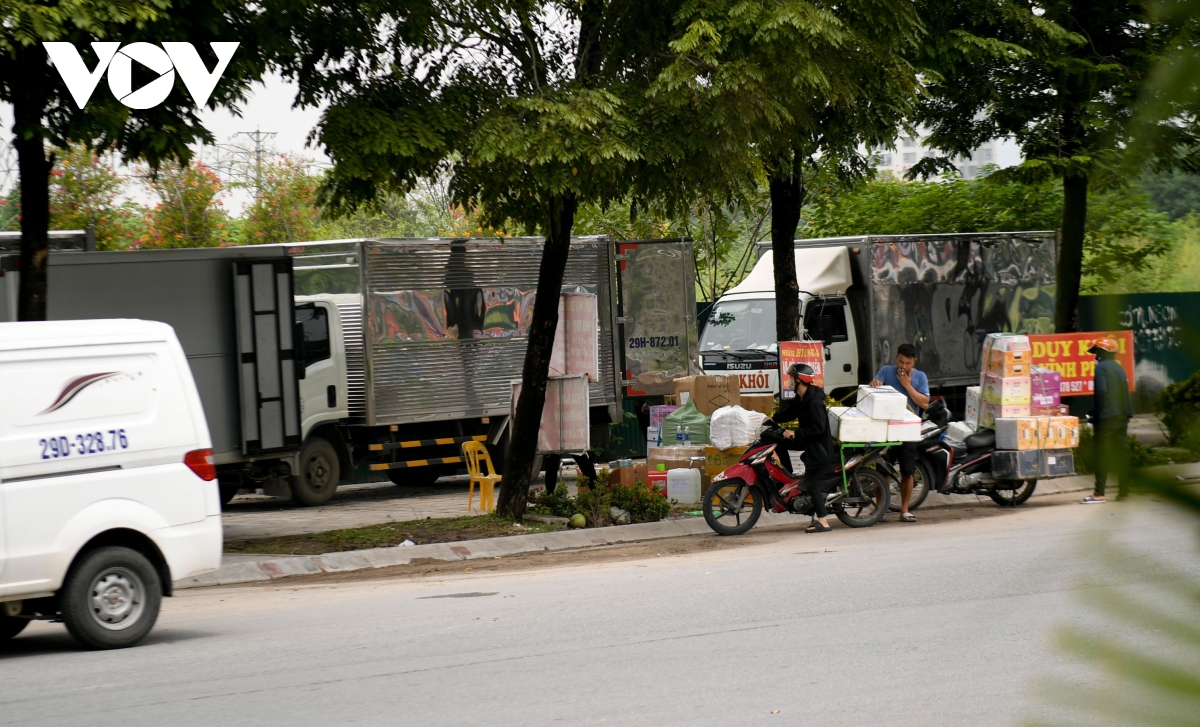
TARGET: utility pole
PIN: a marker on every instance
(258, 136)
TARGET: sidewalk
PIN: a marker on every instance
(261, 568)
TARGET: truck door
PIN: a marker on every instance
(657, 293)
(266, 355)
(323, 387)
(828, 319)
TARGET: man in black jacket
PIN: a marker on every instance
(812, 437)
(1110, 419)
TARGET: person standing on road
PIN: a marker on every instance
(905, 377)
(811, 437)
(1110, 419)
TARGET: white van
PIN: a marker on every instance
(107, 491)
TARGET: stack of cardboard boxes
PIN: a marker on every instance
(1022, 403)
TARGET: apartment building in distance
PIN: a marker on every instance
(909, 150)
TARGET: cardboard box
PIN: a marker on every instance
(881, 402)
(973, 402)
(1009, 363)
(989, 413)
(717, 461)
(999, 342)
(709, 392)
(1021, 433)
(1057, 463)
(1013, 391)
(660, 412)
(1066, 431)
(853, 425)
(764, 403)
(1045, 387)
(1049, 411)
(671, 457)
(1016, 465)
(906, 429)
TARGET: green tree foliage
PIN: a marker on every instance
(1127, 238)
(86, 192)
(285, 209)
(1059, 77)
(188, 213)
(804, 84)
(1175, 193)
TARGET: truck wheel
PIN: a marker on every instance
(228, 492)
(319, 475)
(111, 597)
(10, 626)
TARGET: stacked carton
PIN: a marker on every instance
(1021, 402)
(880, 415)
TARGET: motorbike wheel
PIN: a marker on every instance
(867, 502)
(722, 511)
(921, 480)
(1012, 498)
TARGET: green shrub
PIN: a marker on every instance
(595, 501)
(1179, 405)
(643, 504)
(1139, 454)
(559, 502)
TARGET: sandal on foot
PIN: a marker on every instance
(1089, 500)
(817, 528)
(907, 517)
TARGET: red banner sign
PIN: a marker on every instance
(792, 352)
(1067, 353)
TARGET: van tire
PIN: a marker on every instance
(115, 575)
(10, 626)
(319, 475)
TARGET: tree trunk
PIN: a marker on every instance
(29, 86)
(1070, 252)
(787, 198)
(523, 429)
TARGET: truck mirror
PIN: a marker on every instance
(825, 329)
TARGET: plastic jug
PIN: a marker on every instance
(683, 486)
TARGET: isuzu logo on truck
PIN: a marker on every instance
(118, 61)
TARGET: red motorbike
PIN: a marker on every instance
(735, 500)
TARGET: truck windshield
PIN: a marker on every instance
(741, 325)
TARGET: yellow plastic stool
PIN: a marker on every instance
(477, 456)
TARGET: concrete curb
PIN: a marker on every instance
(270, 569)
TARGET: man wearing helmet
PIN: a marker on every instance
(1110, 418)
(811, 437)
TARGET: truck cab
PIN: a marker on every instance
(324, 391)
(739, 335)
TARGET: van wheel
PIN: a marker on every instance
(10, 626)
(319, 475)
(111, 597)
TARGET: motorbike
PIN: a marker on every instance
(736, 498)
(960, 468)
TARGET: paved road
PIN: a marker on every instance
(930, 624)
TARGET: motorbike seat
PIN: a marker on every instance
(983, 439)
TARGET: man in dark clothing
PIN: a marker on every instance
(812, 437)
(1110, 419)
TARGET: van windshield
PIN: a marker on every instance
(741, 325)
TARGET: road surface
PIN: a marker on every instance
(937, 623)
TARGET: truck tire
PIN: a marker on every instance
(111, 597)
(228, 492)
(10, 626)
(319, 475)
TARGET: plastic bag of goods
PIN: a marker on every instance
(687, 418)
(733, 426)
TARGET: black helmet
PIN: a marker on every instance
(802, 372)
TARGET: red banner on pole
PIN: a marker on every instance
(792, 352)
(1067, 353)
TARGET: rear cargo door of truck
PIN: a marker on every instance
(657, 292)
(266, 354)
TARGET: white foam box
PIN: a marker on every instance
(1019, 433)
(905, 429)
(959, 431)
(973, 401)
(853, 425)
(881, 402)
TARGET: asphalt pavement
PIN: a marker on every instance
(948, 623)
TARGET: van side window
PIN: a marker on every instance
(835, 309)
(315, 323)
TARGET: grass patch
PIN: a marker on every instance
(442, 530)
